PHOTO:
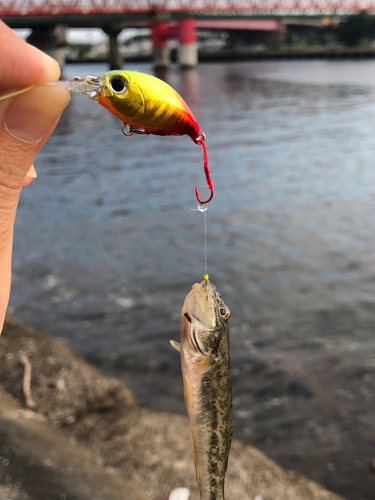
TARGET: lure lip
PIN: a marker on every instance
(91, 86)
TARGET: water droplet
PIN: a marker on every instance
(202, 207)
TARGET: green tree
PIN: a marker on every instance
(357, 27)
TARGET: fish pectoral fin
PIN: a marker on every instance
(175, 344)
(207, 361)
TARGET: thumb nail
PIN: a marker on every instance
(31, 114)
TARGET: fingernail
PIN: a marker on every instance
(32, 172)
(31, 114)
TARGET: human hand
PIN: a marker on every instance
(26, 122)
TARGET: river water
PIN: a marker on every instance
(106, 248)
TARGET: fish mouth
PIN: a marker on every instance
(203, 290)
(199, 305)
(205, 285)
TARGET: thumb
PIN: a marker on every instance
(26, 122)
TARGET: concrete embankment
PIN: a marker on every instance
(85, 438)
(249, 54)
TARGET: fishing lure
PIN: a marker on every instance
(145, 105)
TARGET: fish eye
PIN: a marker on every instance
(118, 85)
(224, 313)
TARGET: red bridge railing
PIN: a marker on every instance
(261, 7)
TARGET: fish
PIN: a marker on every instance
(205, 366)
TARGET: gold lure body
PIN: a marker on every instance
(145, 102)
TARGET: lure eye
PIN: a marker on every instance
(118, 85)
(224, 313)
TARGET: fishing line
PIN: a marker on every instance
(15, 92)
(205, 246)
(202, 207)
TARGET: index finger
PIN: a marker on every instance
(23, 65)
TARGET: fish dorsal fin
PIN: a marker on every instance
(175, 344)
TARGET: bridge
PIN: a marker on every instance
(167, 18)
(75, 11)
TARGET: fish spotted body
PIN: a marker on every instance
(145, 102)
(204, 352)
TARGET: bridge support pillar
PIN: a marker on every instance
(115, 59)
(51, 40)
(187, 44)
(161, 56)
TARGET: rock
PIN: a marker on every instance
(63, 387)
(179, 494)
(39, 462)
(150, 450)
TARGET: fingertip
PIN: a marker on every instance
(52, 69)
(27, 181)
(26, 65)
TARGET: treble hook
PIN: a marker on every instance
(200, 140)
(132, 130)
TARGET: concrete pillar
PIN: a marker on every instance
(161, 56)
(190, 82)
(187, 43)
(51, 40)
(162, 74)
(115, 59)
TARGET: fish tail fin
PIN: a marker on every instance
(195, 460)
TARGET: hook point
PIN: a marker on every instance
(198, 197)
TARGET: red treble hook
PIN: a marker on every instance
(209, 183)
